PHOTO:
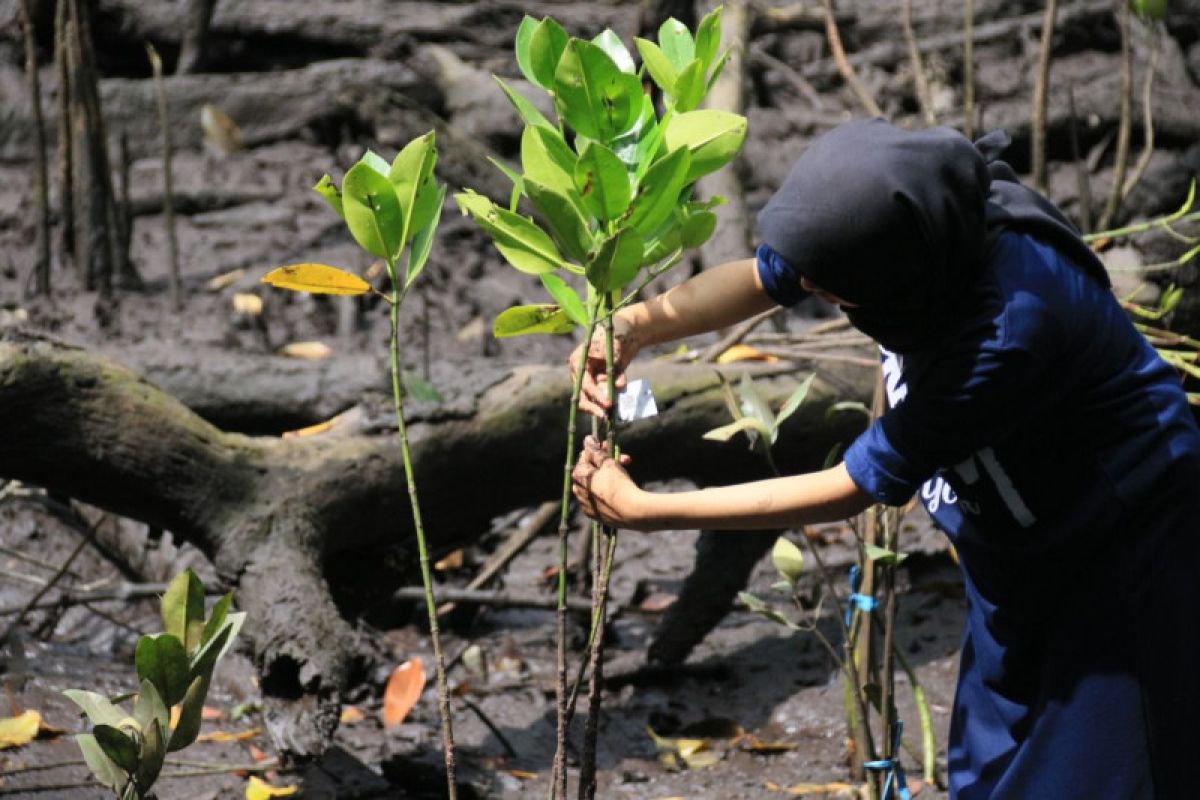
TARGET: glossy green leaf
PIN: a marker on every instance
(708, 37)
(625, 146)
(332, 196)
(205, 659)
(163, 661)
(152, 753)
(149, 706)
(373, 211)
(676, 42)
(546, 47)
(697, 229)
(120, 748)
(658, 194)
(657, 64)
(519, 240)
(98, 708)
(523, 320)
(411, 174)
(188, 727)
(717, 70)
(603, 182)
(422, 243)
(234, 622)
(107, 773)
(375, 162)
(611, 43)
(712, 137)
(689, 87)
(566, 297)
(182, 609)
(763, 610)
(618, 261)
(649, 146)
(794, 400)
(526, 110)
(881, 555)
(593, 95)
(665, 241)
(564, 219)
(547, 159)
(216, 617)
(521, 46)
(788, 560)
(752, 403)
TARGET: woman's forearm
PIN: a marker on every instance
(787, 502)
(714, 299)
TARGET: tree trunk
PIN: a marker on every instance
(293, 521)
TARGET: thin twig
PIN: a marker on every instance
(969, 68)
(491, 726)
(844, 67)
(164, 121)
(41, 267)
(1125, 126)
(920, 79)
(490, 598)
(84, 542)
(1143, 161)
(1038, 115)
(798, 81)
(737, 334)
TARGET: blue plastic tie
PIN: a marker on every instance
(862, 602)
(896, 785)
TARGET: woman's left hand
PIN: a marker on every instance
(603, 487)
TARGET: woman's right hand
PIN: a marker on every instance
(593, 395)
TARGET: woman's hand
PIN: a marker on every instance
(603, 487)
(593, 395)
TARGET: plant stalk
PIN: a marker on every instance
(423, 551)
(41, 270)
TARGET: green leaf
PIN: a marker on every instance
(788, 560)
(593, 95)
(658, 194)
(234, 623)
(182, 609)
(98, 708)
(423, 241)
(665, 240)
(657, 64)
(747, 425)
(833, 456)
(717, 70)
(203, 662)
(610, 43)
(794, 400)
(419, 389)
(526, 110)
(547, 159)
(566, 298)
(326, 189)
(752, 403)
(625, 146)
(153, 752)
(524, 244)
(697, 228)
(162, 661)
(508, 171)
(603, 182)
(107, 773)
(522, 320)
(121, 749)
(712, 137)
(563, 217)
(848, 405)
(411, 174)
(1149, 9)
(373, 211)
(375, 162)
(763, 610)
(708, 37)
(149, 706)
(618, 261)
(648, 146)
(216, 617)
(689, 87)
(676, 42)
(881, 555)
(188, 727)
(521, 46)
(546, 47)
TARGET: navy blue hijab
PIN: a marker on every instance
(900, 223)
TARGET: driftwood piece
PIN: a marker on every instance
(276, 515)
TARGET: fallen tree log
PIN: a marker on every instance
(291, 522)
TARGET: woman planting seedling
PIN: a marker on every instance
(1043, 433)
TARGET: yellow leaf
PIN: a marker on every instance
(311, 430)
(744, 352)
(225, 736)
(316, 279)
(310, 351)
(404, 688)
(219, 129)
(450, 562)
(20, 730)
(351, 715)
(247, 303)
(176, 713)
(257, 789)
(522, 774)
(224, 280)
(814, 789)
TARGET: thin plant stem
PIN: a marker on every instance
(422, 549)
(1125, 125)
(41, 184)
(164, 121)
(843, 64)
(920, 79)
(1040, 84)
(969, 68)
(1143, 161)
(928, 742)
(558, 781)
(887, 705)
